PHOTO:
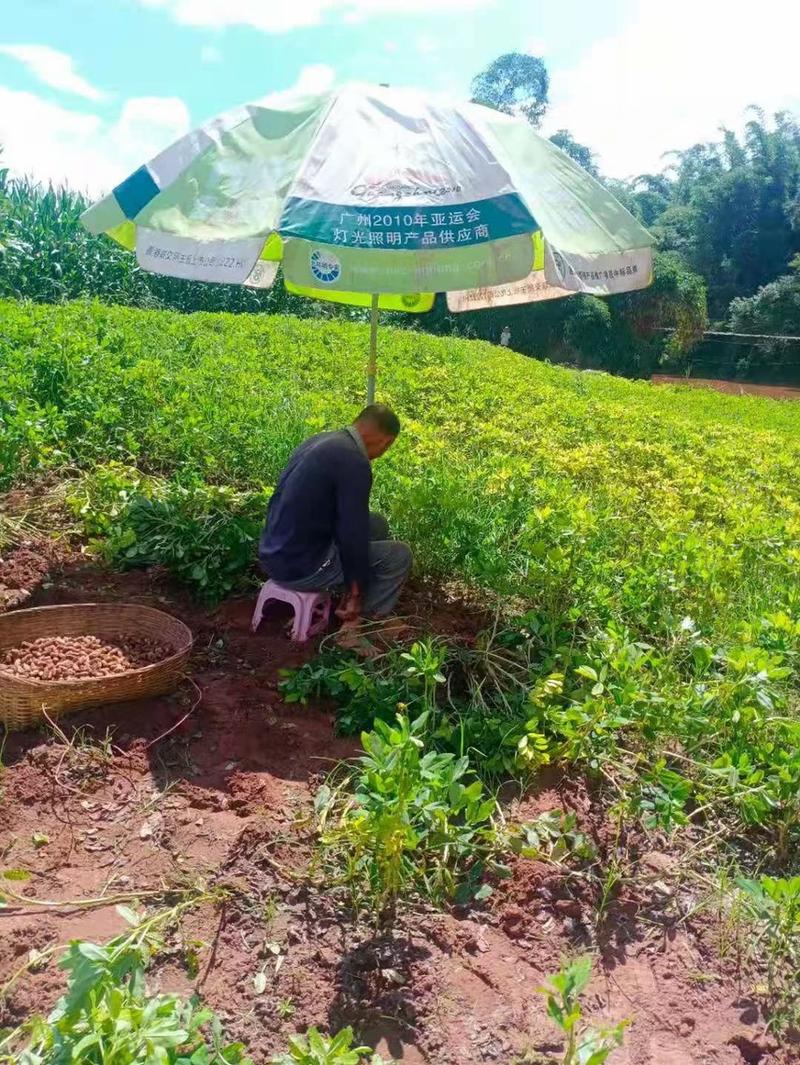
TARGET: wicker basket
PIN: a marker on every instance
(23, 701)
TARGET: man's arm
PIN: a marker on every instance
(353, 486)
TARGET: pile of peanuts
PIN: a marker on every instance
(79, 657)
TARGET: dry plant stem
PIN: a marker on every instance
(81, 904)
(186, 716)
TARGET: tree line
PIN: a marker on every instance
(725, 215)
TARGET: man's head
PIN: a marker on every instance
(378, 427)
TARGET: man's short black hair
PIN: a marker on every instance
(381, 418)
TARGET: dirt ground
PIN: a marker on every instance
(227, 800)
(733, 388)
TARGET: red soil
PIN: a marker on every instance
(733, 388)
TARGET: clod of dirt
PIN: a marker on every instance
(750, 1012)
(752, 1051)
(656, 862)
(77, 657)
(568, 908)
(20, 573)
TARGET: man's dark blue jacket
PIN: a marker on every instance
(321, 501)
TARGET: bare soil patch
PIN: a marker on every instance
(732, 388)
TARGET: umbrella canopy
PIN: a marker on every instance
(377, 197)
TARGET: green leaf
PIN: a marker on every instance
(555, 1012)
(587, 672)
(341, 1041)
(316, 1042)
(129, 915)
(92, 951)
(16, 874)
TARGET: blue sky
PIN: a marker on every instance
(91, 88)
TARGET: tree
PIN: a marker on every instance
(734, 207)
(775, 308)
(583, 156)
(625, 334)
(516, 84)
(648, 196)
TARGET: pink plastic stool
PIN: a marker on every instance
(312, 610)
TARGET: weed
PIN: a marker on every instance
(585, 1044)
(271, 908)
(313, 1048)
(286, 1009)
(191, 957)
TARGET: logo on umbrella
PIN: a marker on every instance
(325, 266)
(396, 189)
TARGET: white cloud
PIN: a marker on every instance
(390, 46)
(54, 143)
(279, 16)
(673, 75)
(312, 79)
(315, 78)
(53, 68)
(209, 53)
(427, 45)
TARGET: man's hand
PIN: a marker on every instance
(348, 636)
(349, 610)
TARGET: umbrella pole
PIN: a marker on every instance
(372, 365)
